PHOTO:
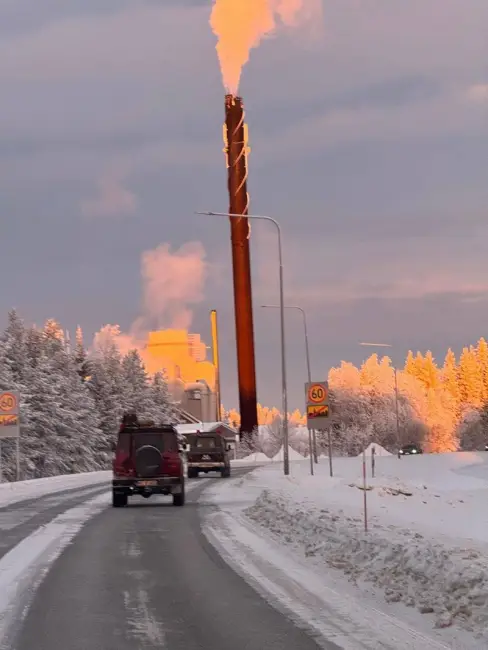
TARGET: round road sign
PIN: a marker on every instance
(316, 394)
(8, 402)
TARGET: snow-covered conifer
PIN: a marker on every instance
(15, 346)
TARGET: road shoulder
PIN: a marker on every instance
(318, 597)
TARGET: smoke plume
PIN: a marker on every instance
(241, 24)
(172, 283)
(113, 199)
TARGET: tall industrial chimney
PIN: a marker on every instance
(236, 150)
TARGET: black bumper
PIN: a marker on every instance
(146, 487)
(206, 466)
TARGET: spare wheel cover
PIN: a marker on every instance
(148, 461)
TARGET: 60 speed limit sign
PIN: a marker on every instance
(9, 414)
(317, 397)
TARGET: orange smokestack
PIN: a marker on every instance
(235, 137)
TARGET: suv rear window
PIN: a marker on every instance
(163, 441)
(206, 443)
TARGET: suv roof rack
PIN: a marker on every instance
(131, 422)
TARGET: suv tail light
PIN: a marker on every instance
(122, 465)
(171, 463)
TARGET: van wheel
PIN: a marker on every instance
(119, 500)
(226, 473)
(179, 499)
(192, 473)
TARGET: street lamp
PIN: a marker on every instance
(387, 345)
(313, 449)
(286, 457)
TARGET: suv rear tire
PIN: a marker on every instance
(179, 499)
(192, 473)
(119, 500)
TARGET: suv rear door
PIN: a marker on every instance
(155, 453)
(206, 448)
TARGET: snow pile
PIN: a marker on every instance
(379, 450)
(258, 457)
(292, 455)
(451, 585)
(427, 545)
(22, 490)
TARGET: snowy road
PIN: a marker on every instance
(21, 519)
(143, 576)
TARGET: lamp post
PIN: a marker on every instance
(387, 345)
(286, 457)
(313, 446)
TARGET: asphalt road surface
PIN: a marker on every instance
(145, 577)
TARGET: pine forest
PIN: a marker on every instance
(72, 401)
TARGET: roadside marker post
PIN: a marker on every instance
(365, 490)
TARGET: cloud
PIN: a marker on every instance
(132, 42)
(398, 289)
(478, 93)
(369, 147)
(341, 269)
(429, 117)
(113, 198)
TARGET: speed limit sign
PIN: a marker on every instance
(317, 396)
(317, 393)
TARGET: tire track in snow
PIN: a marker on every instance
(23, 567)
(20, 520)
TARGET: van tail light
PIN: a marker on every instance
(171, 464)
(122, 465)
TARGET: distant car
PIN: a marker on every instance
(207, 452)
(147, 461)
(486, 447)
(408, 450)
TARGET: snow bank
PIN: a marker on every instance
(427, 545)
(258, 457)
(292, 455)
(23, 567)
(379, 450)
(23, 490)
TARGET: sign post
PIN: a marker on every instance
(318, 414)
(365, 489)
(10, 420)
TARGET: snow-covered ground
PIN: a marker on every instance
(23, 490)
(422, 564)
(260, 457)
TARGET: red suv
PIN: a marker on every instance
(147, 461)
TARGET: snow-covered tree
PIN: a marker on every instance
(80, 354)
(6, 379)
(138, 394)
(15, 351)
(160, 395)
